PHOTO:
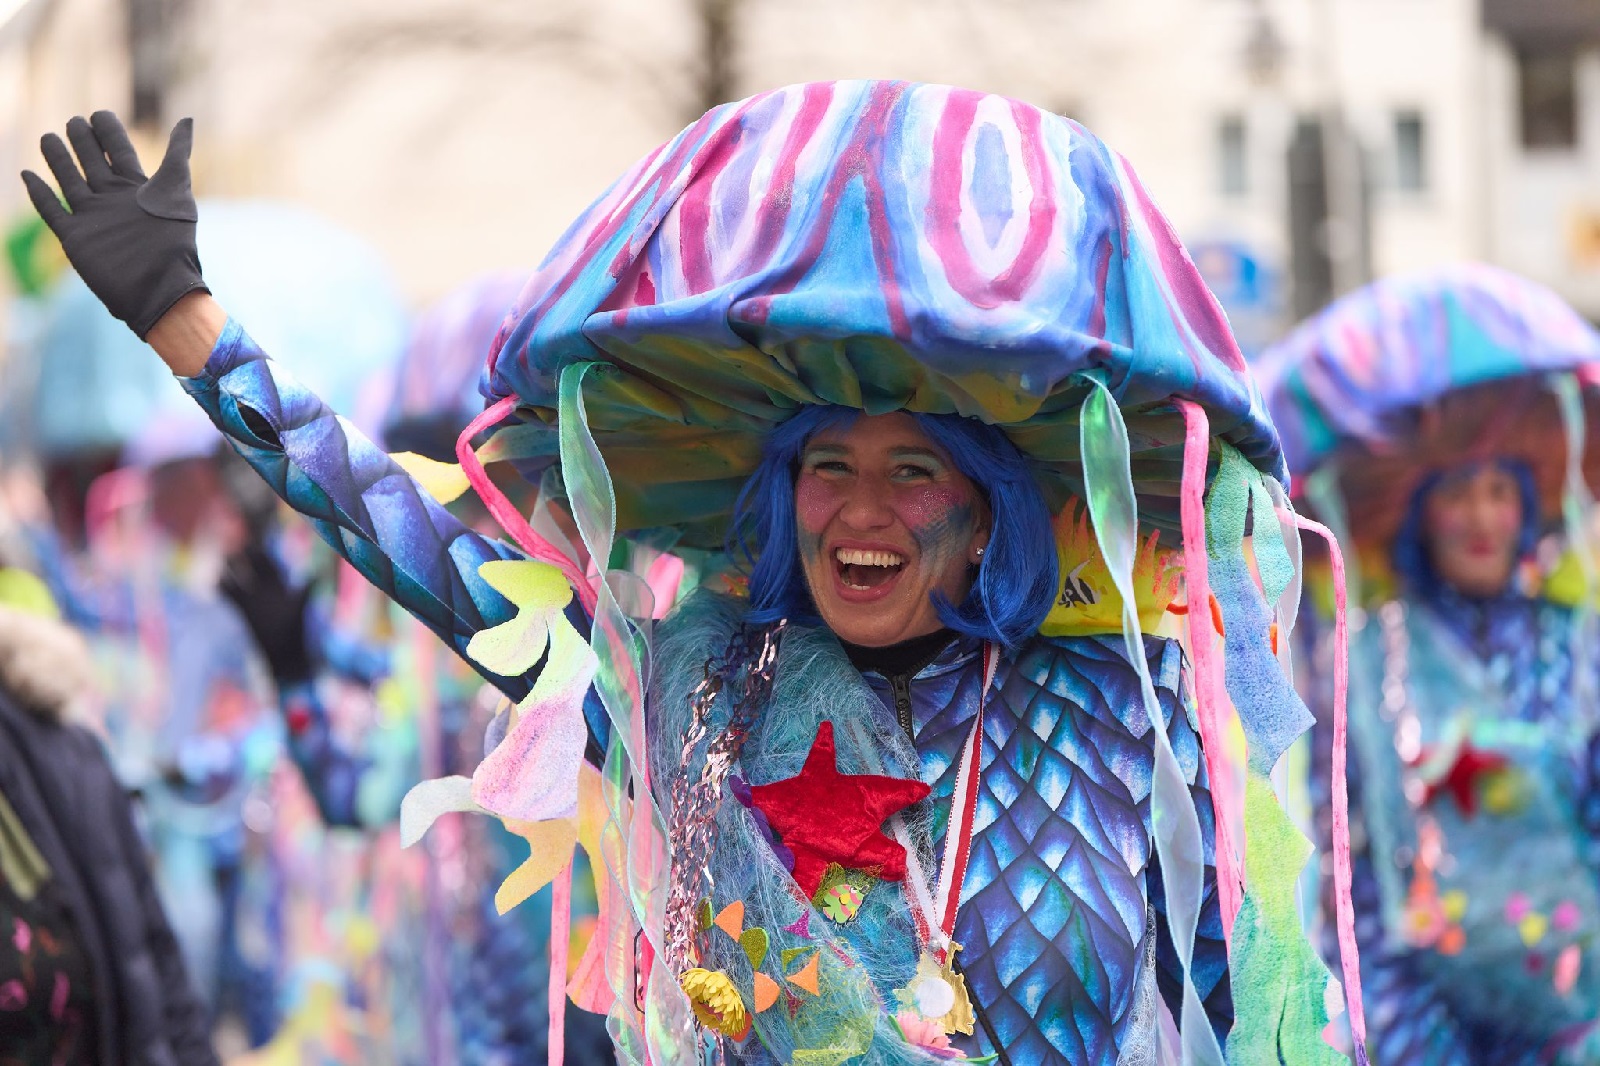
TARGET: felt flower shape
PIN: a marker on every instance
(715, 1001)
(532, 774)
(922, 1032)
(540, 593)
(550, 850)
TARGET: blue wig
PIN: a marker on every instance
(1412, 563)
(1017, 580)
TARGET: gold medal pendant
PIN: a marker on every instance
(960, 1018)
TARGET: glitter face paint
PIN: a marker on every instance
(884, 521)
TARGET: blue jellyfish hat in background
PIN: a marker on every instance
(321, 296)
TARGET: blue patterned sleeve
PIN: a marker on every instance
(361, 502)
(1210, 946)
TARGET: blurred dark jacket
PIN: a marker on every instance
(57, 780)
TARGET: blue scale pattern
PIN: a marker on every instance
(1053, 915)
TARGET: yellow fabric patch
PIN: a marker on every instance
(445, 482)
(550, 845)
(24, 592)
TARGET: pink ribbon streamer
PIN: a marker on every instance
(560, 939)
(510, 519)
(1344, 906)
(1202, 641)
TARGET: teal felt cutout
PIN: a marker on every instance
(1270, 711)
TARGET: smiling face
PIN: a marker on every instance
(884, 521)
(1472, 520)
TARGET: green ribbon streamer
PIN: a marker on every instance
(1278, 980)
(1113, 510)
(617, 643)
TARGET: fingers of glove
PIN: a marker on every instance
(73, 187)
(167, 193)
(108, 129)
(44, 200)
(90, 155)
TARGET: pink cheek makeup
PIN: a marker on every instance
(815, 504)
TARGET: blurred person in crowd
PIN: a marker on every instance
(90, 973)
(145, 562)
(1135, 883)
(485, 974)
(1444, 423)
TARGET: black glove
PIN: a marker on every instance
(275, 612)
(129, 237)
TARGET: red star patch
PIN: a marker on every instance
(825, 817)
(1460, 778)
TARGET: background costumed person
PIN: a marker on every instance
(927, 789)
(1443, 422)
(483, 976)
(188, 721)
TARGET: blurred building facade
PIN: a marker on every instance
(1299, 146)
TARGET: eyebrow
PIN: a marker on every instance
(915, 452)
(825, 449)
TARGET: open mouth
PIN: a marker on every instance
(861, 570)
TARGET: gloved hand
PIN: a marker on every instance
(129, 237)
(274, 611)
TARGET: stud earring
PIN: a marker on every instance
(980, 553)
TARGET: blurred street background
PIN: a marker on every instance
(1300, 147)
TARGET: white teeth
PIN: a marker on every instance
(857, 557)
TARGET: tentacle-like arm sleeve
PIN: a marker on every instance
(1210, 946)
(368, 508)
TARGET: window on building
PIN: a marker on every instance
(1410, 151)
(1548, 98)
(1233, 164)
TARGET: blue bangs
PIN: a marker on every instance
(1017, 580)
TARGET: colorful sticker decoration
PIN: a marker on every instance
(842, 902)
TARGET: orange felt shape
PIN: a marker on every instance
(731, 920)
(766, 991)
(806, 976)
(823, 816)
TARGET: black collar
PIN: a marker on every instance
(905, 658)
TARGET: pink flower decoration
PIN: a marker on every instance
(13, 996)
(22, 936)
(58, 996)
(1517, 907)
(1565, 916)
(922, 1032)
(1568, 965)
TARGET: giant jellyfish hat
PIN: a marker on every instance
(1413, 374)
(887, 246)
(436, 381)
